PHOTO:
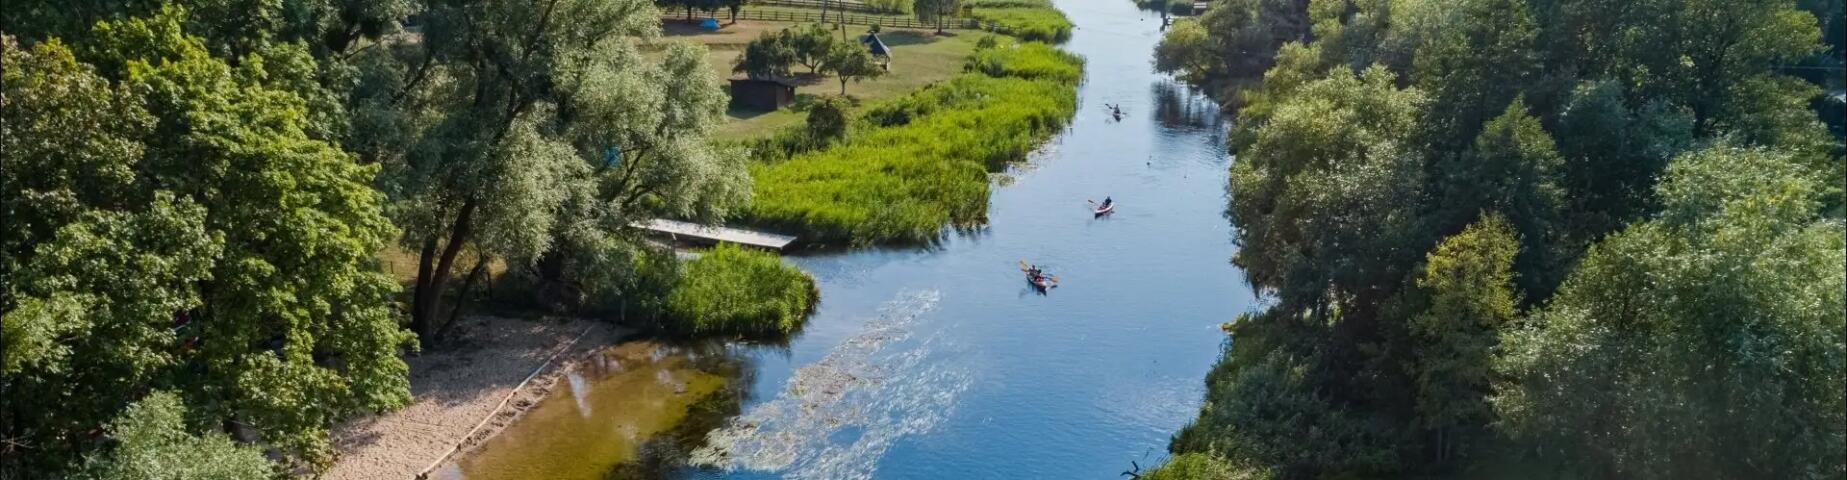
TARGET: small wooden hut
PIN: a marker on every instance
(763, 95)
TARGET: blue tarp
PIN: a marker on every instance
(709, 23)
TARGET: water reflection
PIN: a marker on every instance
(1179, 108)
(630, 411)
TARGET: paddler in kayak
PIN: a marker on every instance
(1037, 277)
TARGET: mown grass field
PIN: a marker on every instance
(919, 58)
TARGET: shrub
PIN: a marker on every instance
(828, 120)
(987, 42)
(731, 290)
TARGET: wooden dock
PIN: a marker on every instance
(692, 231)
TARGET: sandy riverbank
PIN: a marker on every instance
(455, 385)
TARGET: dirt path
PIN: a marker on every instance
(455, 386)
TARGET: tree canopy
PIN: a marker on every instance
(1479, 254)
(174, 235)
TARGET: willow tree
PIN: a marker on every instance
(513, 129)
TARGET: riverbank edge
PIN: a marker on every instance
(447, 418)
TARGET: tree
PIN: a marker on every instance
(152, 443)
(1468, 280)
(767, 57)
(535, 134)
(1612, 154)
(851, 61)
(1476, 62)
(1513, 169)
(1711, 328)
(812, 45)
(734, 6)
(189, 235)
(936, 11)
(1244, 38)
(1327, 180)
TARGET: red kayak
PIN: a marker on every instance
(1103, 210)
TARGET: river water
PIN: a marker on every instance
(941, 362)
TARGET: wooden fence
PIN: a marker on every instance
(830, 5)
(849, 19)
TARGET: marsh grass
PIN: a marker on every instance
(732, 290)
(917, 163)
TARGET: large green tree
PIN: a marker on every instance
(1512, 168)
(1468, 281)
(532, 132)
(180, 229)
(1704, 342)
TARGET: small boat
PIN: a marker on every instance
(1103, 210)
(1038, 280)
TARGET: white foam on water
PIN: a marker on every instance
(836, 417)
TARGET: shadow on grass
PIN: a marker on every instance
(899, 38)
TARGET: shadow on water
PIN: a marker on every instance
(1178, 108)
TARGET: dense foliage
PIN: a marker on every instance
(1034, 20)
(196, 193)
(1715, 326)
(732, 290)
(153, 443)
(169, 218)
(920, 162)
(1601, 238)
(535, 135)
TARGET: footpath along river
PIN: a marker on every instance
(941, 362)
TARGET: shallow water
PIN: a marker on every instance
(941, 362)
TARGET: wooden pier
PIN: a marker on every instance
(678, 231)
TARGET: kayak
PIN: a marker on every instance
(1104, 210)
(1039, 282)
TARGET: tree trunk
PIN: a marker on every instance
(430, 281)
(461, 298)
(843, 85)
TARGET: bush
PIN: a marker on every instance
(1043, 24)
(731, 290)
(987, 42)
(828, 120)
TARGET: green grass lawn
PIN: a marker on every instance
(919, 58)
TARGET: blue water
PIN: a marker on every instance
(933, 363)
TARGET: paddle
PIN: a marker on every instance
(1025, 268)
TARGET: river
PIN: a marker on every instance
(941, 362)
